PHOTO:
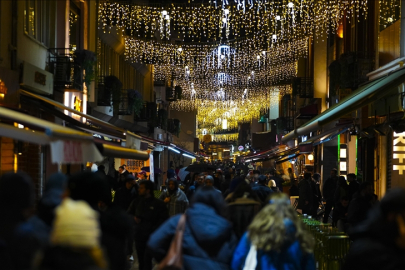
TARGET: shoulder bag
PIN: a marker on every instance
(174, 257)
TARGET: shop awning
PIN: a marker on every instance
(333, 132)
(331, 136)
(92, 119)
(363, 96)
(67, 145)
(122, 152)
(287, 158)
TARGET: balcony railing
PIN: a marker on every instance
(350, 70)
(67, 73)
(284, 124)
(303, 87)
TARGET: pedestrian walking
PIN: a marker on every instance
(276, 239)
(208, 240)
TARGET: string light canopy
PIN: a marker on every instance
(227, 55)
(282, 20)
(389, 12)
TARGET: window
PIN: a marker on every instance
(37, 20)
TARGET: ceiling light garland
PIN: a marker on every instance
(390, 11)
(285, 20)
(227, 55)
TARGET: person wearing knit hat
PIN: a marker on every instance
(75, 225)
(75, 238)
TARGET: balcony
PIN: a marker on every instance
(350, 70)
(303, 87)
(174, 126)
(284, 124)
(68, 74)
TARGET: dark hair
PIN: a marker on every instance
(101, 167)
(16, 194)
(210, 197)
(342, 181)
(262, 179)
(90, 187)
(121, 167)
(344, 198)
(307, 175)
(243, 188)
(351, 175)
(366, 184)
(148, 185)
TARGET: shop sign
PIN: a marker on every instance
(240, 148)
(72, 152)
(399, 153)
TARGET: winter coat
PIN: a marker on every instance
(241, 213)
(329, 188)
(291, 257)
(374, 245)
(178, 202)
(262, 192)
(152, 213)
(305, 195)
(208, 240)
(123, 197)
(18, 245)
(353, 188)
(358, 209)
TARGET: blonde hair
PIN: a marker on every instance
(268, 231)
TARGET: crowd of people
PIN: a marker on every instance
(233, 220)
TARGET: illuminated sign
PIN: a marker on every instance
(399, 153)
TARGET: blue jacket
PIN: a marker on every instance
(208, 241)
(290, 257)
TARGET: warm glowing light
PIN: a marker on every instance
(310, 157)
(340, 31)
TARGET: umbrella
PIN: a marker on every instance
(198, 168)
(182, 173)
(147, 169)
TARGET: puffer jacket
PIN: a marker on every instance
(208, 240)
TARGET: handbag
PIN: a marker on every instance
(251, 259)
(174, 257)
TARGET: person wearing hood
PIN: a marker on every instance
(208, 240)
(51, 198)
(174, 198)
(276, 239)
(379, 242)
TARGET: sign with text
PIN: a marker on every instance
(74, 152)
(398, 160)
